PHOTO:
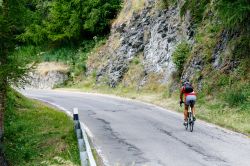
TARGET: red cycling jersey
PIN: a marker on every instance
(186, 94)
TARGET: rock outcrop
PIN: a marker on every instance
(47, 76)
(152, 32)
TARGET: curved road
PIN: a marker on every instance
(127, 132)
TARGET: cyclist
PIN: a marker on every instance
(189, 95)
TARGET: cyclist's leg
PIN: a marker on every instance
(193, 109)
(192, 105)
(185, 112)
(190, 100)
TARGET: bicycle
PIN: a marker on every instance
(190, 119)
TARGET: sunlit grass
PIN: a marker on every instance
(36, 134)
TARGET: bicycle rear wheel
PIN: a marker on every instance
(191, 122)
(191, 126)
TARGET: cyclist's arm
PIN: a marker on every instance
(181, 94)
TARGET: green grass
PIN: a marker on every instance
(196, 8)
(36, 134)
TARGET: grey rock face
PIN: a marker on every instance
(220, 47)
(47, 80)
(194, 66)
(218, 61)
(153, 33)
(167, 31)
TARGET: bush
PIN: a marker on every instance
(235, 98)
(180, 55)
(98, 15)
(136, 60)
(65, 54)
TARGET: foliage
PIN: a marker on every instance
(64, 54)
(242, 46)
(196, 7)
(235, 97)
(76, 58)
(97, 15)
(134, 74)
(64, 22)
(30, 141)
(180, 55)
(12, 20)
(234, 12)
(136, 60)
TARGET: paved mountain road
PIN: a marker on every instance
(127, 133)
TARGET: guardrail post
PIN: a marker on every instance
(75, 115)
(80, 140)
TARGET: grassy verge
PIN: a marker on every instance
(36, 134)
(208, 108)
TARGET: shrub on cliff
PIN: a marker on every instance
(180, 56)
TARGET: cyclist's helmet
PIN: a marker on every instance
(184, 82)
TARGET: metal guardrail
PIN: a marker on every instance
(86, 155)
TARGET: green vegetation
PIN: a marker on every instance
(234, 13)
(30, 141)
(180, 56)
(13, 18)
(134, 74)
(80, 20)
(75, 58)
(68, 37)
(213, 21)
(197, 9)
(236, 97)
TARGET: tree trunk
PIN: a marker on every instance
(3, 89)
(5, 41)
(2, 108)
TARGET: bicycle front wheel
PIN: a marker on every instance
(191, 126)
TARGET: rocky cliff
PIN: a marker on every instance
(151, 33)
(143, 40)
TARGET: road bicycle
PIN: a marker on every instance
(190, 118)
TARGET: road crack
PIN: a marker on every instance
(135, 151)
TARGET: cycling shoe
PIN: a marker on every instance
(185, 123)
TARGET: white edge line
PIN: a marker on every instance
(83, 126)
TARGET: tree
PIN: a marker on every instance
(12, 67)
(62, 22)
(98, 14)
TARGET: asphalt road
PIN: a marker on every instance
(127, 132)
